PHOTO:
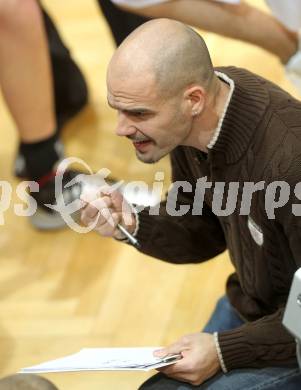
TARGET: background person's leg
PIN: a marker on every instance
(26, 83)
(238, 21)
(25, 75)
(121, 23)
(69, 89)
(69, 85)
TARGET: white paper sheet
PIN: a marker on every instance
(100, 359)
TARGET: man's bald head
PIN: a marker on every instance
(171, 53)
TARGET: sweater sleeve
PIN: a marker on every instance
(266, 342)
(186, 239)
(257, 344)
(180, 238)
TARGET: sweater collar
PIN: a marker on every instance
(244, 112)
(217, 131)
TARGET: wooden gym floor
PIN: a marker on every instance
(63, 291)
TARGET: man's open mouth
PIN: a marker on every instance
(141, 145)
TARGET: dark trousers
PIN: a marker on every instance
(120, 22)
(70, 88)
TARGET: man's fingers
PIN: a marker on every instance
(172, 372)
(106, 217)
(180, 371)
(172, 349)
(94, 207)
(103, 202)
(102, 210)
(117, 198)
(181, 376)
(89, 213)
(102, 216)
(108, 228)
(89, 193)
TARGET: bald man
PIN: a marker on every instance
(223, 128)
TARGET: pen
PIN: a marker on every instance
(172, 358)
(129, 236)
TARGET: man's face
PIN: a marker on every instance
(155, 124)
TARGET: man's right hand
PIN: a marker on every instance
(105, 209)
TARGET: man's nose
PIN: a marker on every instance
(124, 126)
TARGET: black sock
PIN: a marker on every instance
(40, 157)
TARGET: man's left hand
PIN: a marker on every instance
(199, 359)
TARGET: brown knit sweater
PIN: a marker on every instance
(260, 140)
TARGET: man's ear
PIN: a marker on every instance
(194, 97)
